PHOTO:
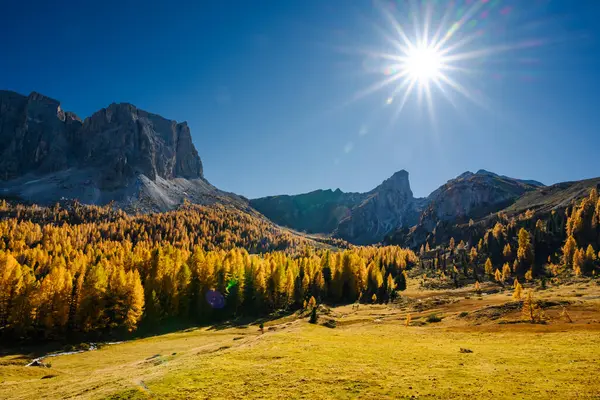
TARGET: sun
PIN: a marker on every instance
(435, 47)
(423, 64)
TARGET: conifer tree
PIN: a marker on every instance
(531, 311)
(505, 272)
(569, 250)
(11, 285)
(312, 303)
(489, 268)
(473, 255)
(54, 296)
(565, 315)
(92, 311)
(579, 262)
(507, 252)
(135, 300)
(525, 250)
(390, 286)
(518, 292)
(289, 288)
(498, 276)
(590, 259)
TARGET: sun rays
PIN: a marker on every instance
(435, 48)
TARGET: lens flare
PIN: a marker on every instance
(215, 299)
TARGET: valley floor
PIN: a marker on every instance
(370, 354)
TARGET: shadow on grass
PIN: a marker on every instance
(27, 349)
(246, 321)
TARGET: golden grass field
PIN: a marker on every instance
(371, 354)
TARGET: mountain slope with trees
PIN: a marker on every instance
(90, 270)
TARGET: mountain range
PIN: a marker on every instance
(366, 218)
(120, 154)
(142, 162)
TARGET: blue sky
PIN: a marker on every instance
(266, 86)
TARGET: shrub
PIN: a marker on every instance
(463, 314)
(330, 323)
(433, 318)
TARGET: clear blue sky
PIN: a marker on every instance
(266, 86)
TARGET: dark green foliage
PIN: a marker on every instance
(314, 317)
(433, 318)
(400, 281)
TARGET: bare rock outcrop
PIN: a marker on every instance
(389, 206)
(121, 153)
(361, 218)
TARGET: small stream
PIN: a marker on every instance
(37, 362)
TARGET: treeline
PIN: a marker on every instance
(526, 247)
(210, 227)
(62, 276)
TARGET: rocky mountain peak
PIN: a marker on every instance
(484, 172)
(111, 150)
(388, 206)
(398, 182)
(139, 142)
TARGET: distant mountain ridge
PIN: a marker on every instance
(120, 153)
(365, 218)
(538, 204)
(361, 218)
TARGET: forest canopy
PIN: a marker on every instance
(94, 270)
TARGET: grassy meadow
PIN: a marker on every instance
(370, 354)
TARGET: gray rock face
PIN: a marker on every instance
(124, 142)
(35, 135)
(389, 206)
(468, 196)
(360, 218)
(473, 195)
(120, 153)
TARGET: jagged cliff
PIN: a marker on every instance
(389, 206)
(357, 217)
(120, 153)
(391, 213)
(468, 196)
